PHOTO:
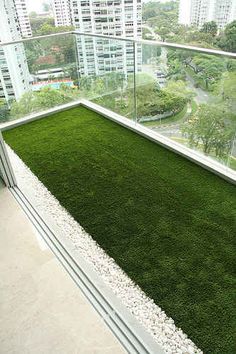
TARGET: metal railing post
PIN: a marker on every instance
(5, 165)
(76, 57)
(135, 69)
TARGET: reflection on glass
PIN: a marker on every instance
(189, 97)
(47, 75)
(106, 70)
(184, 95)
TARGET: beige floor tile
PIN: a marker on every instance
(41, 309)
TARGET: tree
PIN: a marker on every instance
(225, 90)
(33, 50)
(146, 34)
(209, 68)
(163, 17)
(208, 129)
(46, 98)
(179, 89)
(210, 27)
(37, 22)
(227, 40)
(163, 31)
(149, 10)
(48, 52)
(231, 65)
(150, 53)
(152, 101)
(4, 111)
(176, 63)
(228, 85)
(48, 28)
(72, 72)
(85, 83)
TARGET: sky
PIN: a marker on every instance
(35, 5)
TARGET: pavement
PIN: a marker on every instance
(42, 311)
(201, 95)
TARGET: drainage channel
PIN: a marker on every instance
(125, 327)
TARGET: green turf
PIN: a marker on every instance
(167, 222)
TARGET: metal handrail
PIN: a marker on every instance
(131, 40)
(29, 39)
(161, 44)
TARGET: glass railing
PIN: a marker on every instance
(43, 74)
(106, 73)
(191, 99)
(183, 93)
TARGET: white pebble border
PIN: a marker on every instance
(151, 316)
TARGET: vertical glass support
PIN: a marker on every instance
(5, 165)
(135, 70)
(231, 153)
(76, 57)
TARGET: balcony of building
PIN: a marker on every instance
(130, 182)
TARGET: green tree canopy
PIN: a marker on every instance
(4, 111)
(209, 68)
(162, 16)
(38, 22)
(49, 52)
(227, 41)
(208, 128)
(225, 90)
(179, 89)
(210, 27)
(37, 101)
(48, 28)
(152, 101)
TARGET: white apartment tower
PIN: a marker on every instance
(197, 12)
(14, 73)
(23, 18)
(118, 18)
(61, 10)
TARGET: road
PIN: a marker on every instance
(171, 130)
(201, 95)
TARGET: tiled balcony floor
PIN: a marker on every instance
(41, 309)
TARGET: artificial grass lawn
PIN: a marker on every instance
(167, 222)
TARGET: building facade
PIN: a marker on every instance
(14, 73)
(23, 18)
(61, 10)
(120, 18)
(197, 12)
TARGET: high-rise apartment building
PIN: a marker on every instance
(14, 73)
(61, 10)
(23, 18)
(98, 56)
(197, 12)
